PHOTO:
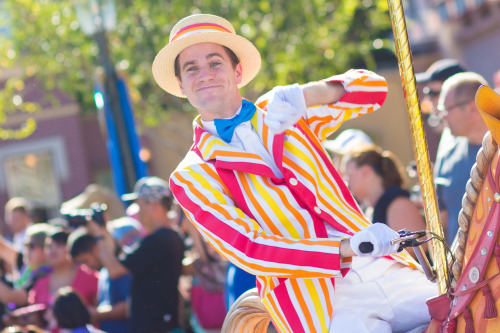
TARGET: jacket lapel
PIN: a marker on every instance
(225, 156)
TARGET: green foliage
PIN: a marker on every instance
(299, 41)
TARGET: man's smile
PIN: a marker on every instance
(208, 88)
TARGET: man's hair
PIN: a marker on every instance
(38, 232)
(464, 85)
(232, 56)
(69, 310)
(80, 242)
(18, 203)
(59, 235)
(166, 202)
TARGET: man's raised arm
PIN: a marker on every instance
(322, 92)
(354, 93)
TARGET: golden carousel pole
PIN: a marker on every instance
(403, 53)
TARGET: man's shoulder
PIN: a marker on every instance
(450, 145)
(190, 169)
(165, 234)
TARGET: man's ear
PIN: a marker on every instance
(180, 85)
(239, 73)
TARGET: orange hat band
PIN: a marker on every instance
(197, 28)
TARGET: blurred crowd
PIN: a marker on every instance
(102, 268)
(136, 264)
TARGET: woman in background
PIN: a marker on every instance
(376, 179)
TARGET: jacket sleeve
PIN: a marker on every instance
(366, 92)
(240, 239)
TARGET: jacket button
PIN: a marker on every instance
(317, 210)
(293, 181)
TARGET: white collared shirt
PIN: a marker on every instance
(246, 138)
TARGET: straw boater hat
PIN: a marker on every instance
(203, 28)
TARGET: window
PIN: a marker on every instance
(35, 169)
(32, 177)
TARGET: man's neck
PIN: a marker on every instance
(157, 224)
(222, 112)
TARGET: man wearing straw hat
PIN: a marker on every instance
(260, 187)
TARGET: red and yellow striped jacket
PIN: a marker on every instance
(274, 227)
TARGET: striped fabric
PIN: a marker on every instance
(275, 227)
(196, 28)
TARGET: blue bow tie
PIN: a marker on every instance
(225, 127)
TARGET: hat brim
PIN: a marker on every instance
(129, 197)
(163, 65)
(423, 77)
(332, 146)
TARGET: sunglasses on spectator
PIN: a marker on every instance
(445, 110)
(30, 245)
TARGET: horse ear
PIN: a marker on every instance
(488, 104)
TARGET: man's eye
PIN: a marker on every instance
(191, 69)
(214, 64)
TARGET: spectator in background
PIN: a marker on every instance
(456, 157)
(8, 284)
(18, 218)
(71, 314)
(431, 82)
(209, 284)
(377, 178)
(111, 312)
(35, 266)
(155, 263)
(346, 141)
(65, 273)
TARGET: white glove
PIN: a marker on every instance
(286, 106)
(380, 236)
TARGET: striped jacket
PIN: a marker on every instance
(274, 227)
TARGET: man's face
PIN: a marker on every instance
(456, 113)
(33, 254)
(209, 81)
(431, 96)
(56, 252)
(88, 259)
(17, 220)
(145, 213)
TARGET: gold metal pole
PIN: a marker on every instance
(403, 53)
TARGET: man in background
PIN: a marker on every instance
(431, 82)
(112, 294)
(457, 153)
(18, 218)
(155, 262)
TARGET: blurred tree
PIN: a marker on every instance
(299, 41)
